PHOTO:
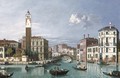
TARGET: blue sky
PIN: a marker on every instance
(59, 21)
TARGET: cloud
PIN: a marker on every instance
(74, 19)
(83, 20)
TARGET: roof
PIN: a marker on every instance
(9, 41)
(108, 28)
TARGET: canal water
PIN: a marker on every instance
(93, 71)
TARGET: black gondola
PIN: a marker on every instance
(103, 63)
(57, 72)
(113, 73)
(40, 65)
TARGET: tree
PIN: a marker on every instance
(9, 51)
(18, 53)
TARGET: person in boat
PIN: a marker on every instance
(26, 67)
(110, 72)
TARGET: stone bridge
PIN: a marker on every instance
(57, 58)
(71, 56)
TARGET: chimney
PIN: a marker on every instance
(88, 35)
(84, 35)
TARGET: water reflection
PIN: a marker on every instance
(38, 71)
(93, 71)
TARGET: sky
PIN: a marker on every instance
(58, 21)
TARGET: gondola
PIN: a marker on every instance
(80, 68)
(5, 75)
(103, 63)
(58, 72)
(113, 74)
(40, 65)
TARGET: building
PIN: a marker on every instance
(108, 43)
(9, 43)
(39, 47)
(78, 53)
(28, 34)
(92, 53)
(55, 48)
(2, 53)
(84, 43)
(49, 53)
(61, 47)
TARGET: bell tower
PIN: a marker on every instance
(28, 34)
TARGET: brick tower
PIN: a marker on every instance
(28, 34)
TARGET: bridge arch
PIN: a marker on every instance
(71, 56)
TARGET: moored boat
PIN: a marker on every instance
(103, 63)
(113, 73)
(58, 71)
(39, 65)
(4, 74)
(80, 67)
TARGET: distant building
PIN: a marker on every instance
(108, 43)
(84, 43)
(62, 49)
(39, 46)
(49, 53)
(5, 45)
(55, 48)
(9, 43)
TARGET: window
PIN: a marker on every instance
(96, 55)
(106, 39)
(114, 32)
(106, 56)
(114, 41)
(89, 50)
(101, 33)
(101, 49)
(33, 43)
(106, 50)
(106, 33)
(37, 43)
(41, 42)
(113, 49)
(96, 49)
(93, 49)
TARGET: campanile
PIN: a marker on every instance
(28, 33)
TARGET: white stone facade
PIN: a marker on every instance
(93, 53)
(108, 39)
(2, 53)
